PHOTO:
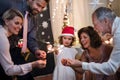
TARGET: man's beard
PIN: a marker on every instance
(30, 10)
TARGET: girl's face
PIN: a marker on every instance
(85, 40)
(14, 25)
(67, 40)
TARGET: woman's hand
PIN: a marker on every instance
(71, 62)
(39, 64)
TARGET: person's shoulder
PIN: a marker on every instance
(84, 56)
(107, 46)
(107, 49)
(1, 29)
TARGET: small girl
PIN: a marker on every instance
(65, 50)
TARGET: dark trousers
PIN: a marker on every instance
(3, 76)
(25, 77)
(18, 59)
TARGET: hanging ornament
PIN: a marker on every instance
(68, 10)
(65, 21)
(110, 4)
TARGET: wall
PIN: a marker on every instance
(116, 6)
(79, 17)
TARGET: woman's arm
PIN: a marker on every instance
(8, 65)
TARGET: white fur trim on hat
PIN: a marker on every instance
(67, 35)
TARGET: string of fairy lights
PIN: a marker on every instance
(62, 8)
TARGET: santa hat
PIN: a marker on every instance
(68, 31)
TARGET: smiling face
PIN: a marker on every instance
(88, 38)
(12, 21)
(14, 25)
(84, 40)
(103, 26)
(36, 6)
(67, 40)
